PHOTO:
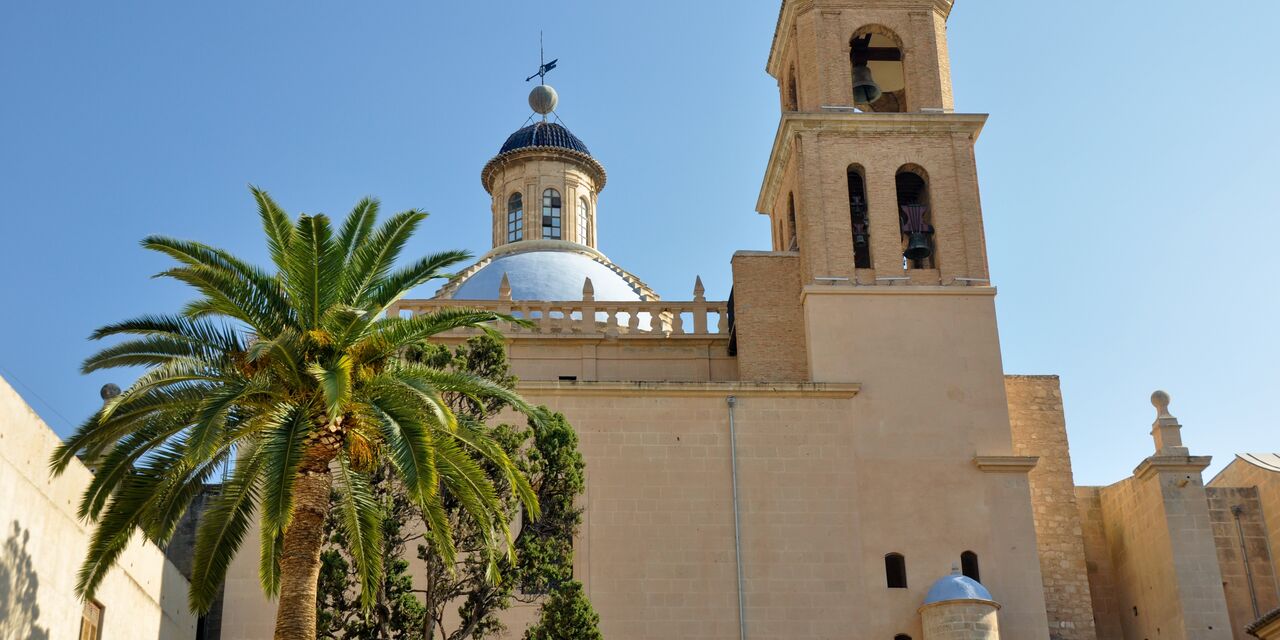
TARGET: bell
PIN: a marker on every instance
(917, 247)
(865, 89)
(860, 239)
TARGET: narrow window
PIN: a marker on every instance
(551, 214)
(793, 243)
(515, 218)
(91, 621)
(858, 220)
(895, 571)
(969, 565)
(584, 223)
(916, 219)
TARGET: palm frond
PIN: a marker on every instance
(222, 529)
(373, 258)
(335, 382)
(398, 284)
(276, 224)
(360, 518)
(358, 225)
(313, 264)
(281, 450)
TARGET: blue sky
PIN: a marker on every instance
(1128, 169)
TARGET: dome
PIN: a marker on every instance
(956, 587)
(548, 271)
(544, 134)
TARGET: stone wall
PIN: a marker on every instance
(960, 621)
(1241, 473)
(1039, 429)
(1102, 578)
(1231, 555)
(1166, 565)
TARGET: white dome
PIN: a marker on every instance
(546, 271)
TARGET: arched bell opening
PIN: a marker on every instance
(878, 70)
(793, 239)
(792, 95)
(915, 218)
(859, 222)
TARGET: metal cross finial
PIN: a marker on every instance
(543, 65)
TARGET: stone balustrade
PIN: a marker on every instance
(656, 318)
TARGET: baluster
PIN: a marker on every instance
(611, 322)
(544, 320)
(722, 325)
(677, 320)
(633, 323)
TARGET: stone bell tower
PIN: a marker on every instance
(878, 276)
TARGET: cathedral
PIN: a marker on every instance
(834, 452)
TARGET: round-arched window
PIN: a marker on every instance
(515, 218)
(584, 222)
(551, 214)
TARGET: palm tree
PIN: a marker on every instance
(294, 384)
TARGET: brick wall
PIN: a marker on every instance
(768, 320)
(1039, 429)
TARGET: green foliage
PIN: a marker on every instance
(566, 615)
(544, 452)
(297, 369)
(396, 613)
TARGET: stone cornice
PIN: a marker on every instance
(1267, 627)
(1176, 464)
(990, 603)
(1006, 464)
(695, 389)
(793, 124)
(586, 161)
(895, 290)
(791, 8)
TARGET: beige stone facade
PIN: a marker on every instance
(961, 621)
(143, 597)
(872, 414)
(862, 393)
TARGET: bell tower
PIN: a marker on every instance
(872, 176)
(878, 277)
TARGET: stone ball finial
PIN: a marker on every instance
(1160, 400)
(543, 99)
(109, 390)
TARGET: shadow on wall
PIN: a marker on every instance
(19, 589)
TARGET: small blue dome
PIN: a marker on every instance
(544, 134)
(957, 587)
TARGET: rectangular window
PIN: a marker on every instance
(91, 621)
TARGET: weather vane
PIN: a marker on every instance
(543, 66)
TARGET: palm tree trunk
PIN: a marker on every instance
(300, 562)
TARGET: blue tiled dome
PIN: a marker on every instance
(544, 134)
(546, 275)
(957, 587)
